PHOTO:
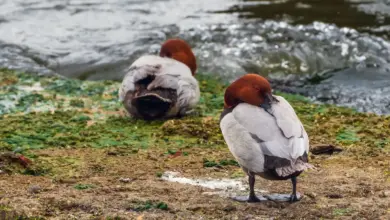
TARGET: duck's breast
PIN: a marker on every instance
(242, 145)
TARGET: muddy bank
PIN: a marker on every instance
(90, 161)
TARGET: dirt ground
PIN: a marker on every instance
(91, 162)
(341, 188)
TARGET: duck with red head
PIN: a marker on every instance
(158, 87)
(264, 134)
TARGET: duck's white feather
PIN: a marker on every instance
(168, 73)
(244, 148)
(251, 132)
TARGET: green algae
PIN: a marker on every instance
(341, 211)
(7, 212)
(25, 93)
(347, 136)
(221, 163)
(83, 186)
(77, 116)
(140, 206)
(77, 103)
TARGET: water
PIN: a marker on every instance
(332, 51)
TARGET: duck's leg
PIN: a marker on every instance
(252, 195)
(293, 197)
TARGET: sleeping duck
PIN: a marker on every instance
(264, 134)
(157, 87)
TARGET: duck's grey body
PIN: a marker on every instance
(272, 143)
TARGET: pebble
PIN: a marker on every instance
(229, 208)
(311, 195)
(68, 181)
(385, 194)
(125, 180)
(334, 196)
(34, 189)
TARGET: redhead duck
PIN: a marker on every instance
(264, 134)
(163, 86)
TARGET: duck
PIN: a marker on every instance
(161, 86)
(264, 134)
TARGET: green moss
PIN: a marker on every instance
(229, 163)
(77, 103)
(347, 136)
(162, 206)
(171, 152)
(224, 162)
(83, 186)
(209, 163)
(36, 171)
(114, 218)
(341, 211)
(7, 212)
(140, 206)
(74, 113)
(5, 208)
(80, 118)
(159, 174)
(26, 101)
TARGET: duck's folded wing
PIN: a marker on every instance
(186, 86)
(279, 134)
(145, 66)
(133, 75)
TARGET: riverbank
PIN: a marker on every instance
(89, 160)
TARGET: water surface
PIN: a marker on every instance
(333, 51)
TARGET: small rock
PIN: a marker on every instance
(311, 195)
(125, 180)
(194, 208)
(67, 181)
(248, 217)
(229, 208)
(334, 196)
(34, 189)
(152, 157)
(385, 194)
(2, 172)
(112, 153)
(317, 149)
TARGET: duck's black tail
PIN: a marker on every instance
(150, 104)
(154, 104)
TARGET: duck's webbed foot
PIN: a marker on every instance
(283, 197)
(250, 199)
(252, 196)
(294, 198)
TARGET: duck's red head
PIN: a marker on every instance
(250, 88)
(179, 50)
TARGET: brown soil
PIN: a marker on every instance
(341, 188)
